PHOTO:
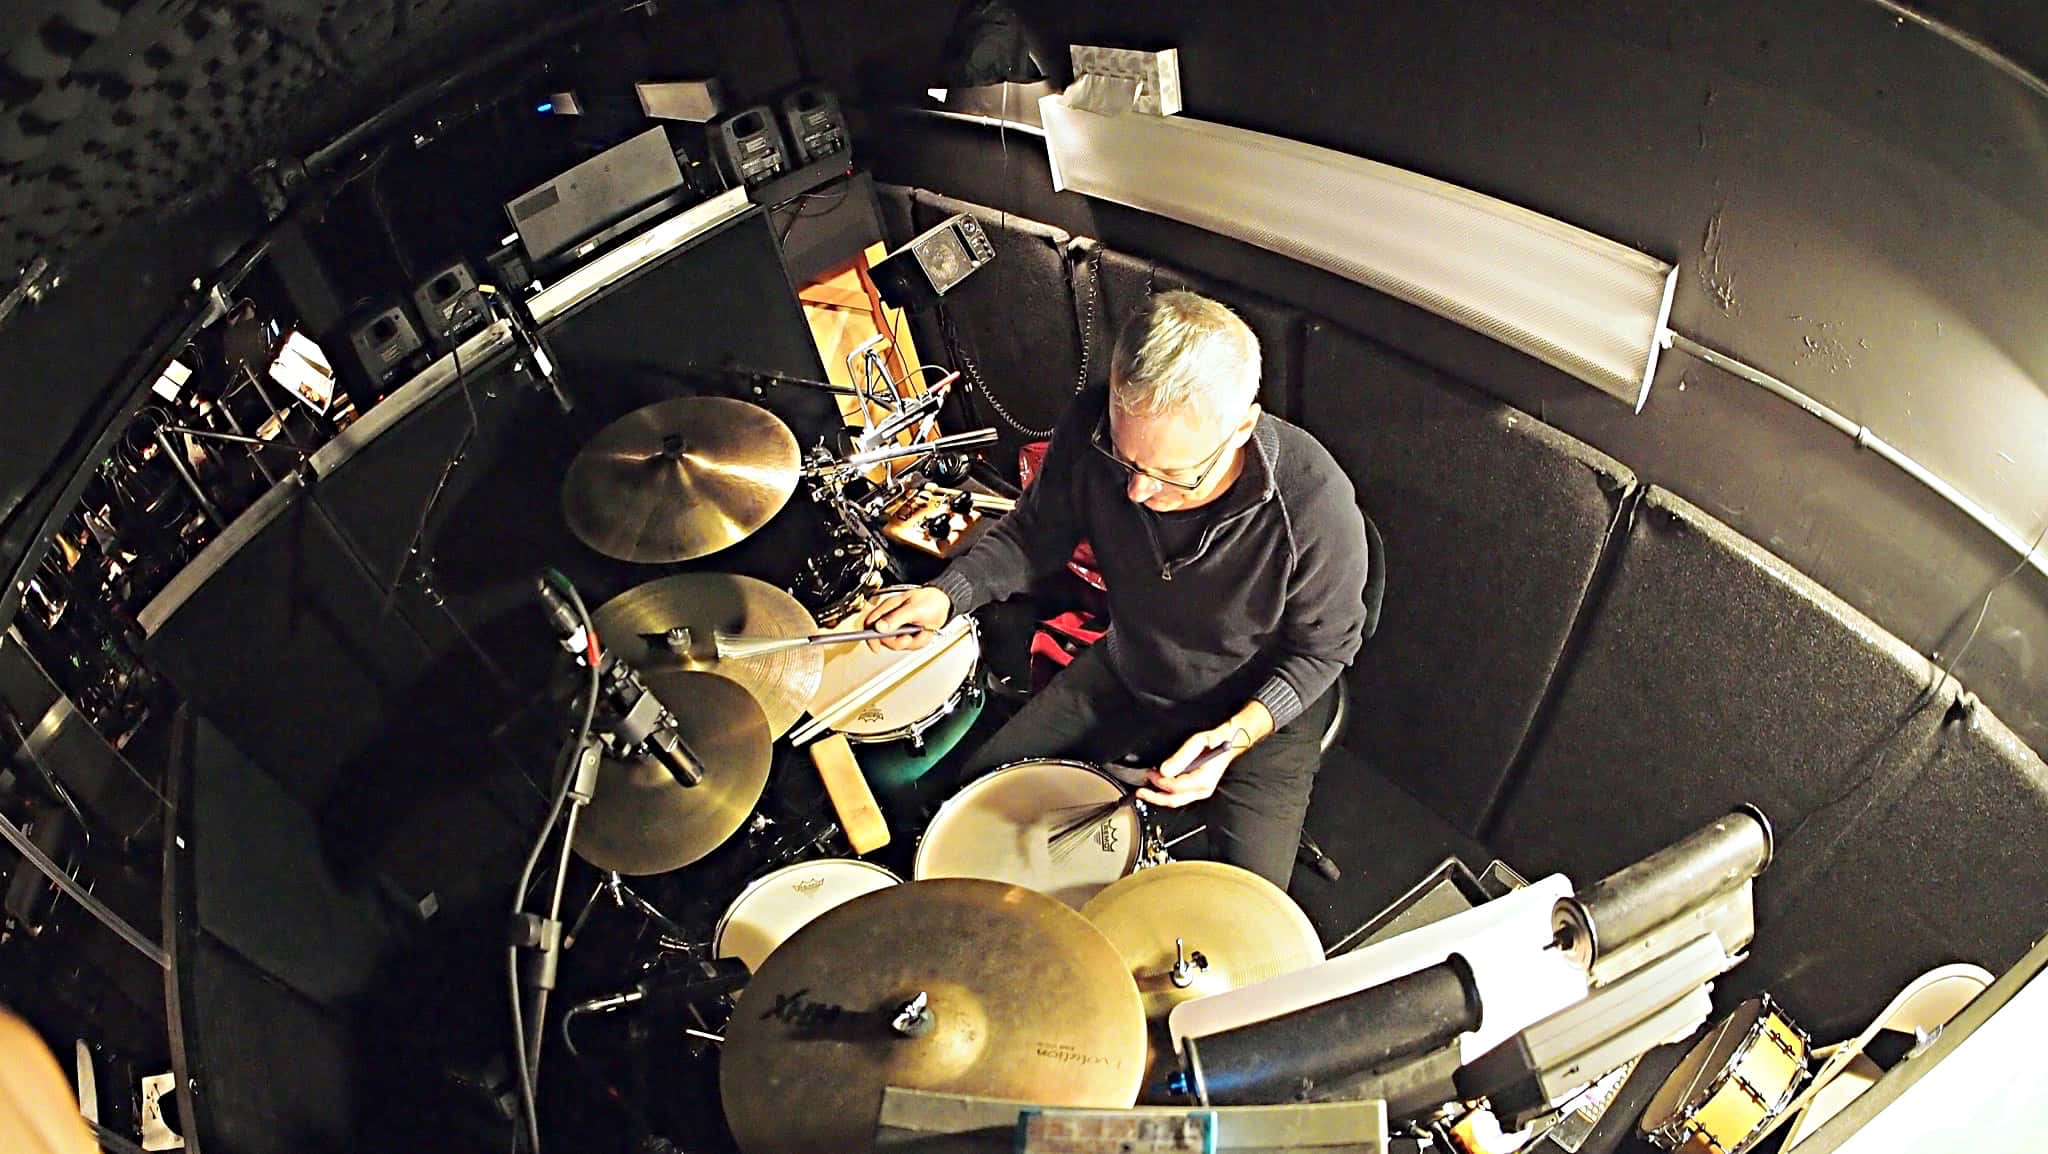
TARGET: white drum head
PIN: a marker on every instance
(777, 905)
(915, 699)
(1001, 828)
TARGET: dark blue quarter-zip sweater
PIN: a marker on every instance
(1269, 598)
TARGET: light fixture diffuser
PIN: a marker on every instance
(1590, 306)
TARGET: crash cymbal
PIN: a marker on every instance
(703, 603)
(680, 479)
(1023, 999)
(642, 821)
(1235, 927)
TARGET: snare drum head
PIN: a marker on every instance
(918, 697)
(779, 904)
(1695, 1078)
(1001, 827)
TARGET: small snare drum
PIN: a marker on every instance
(1002, 827)
(924, 716)
(1731, 1084)
(776, 905)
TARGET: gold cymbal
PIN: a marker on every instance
(680, 479)
(641, 820)
(1025, 1000)
(1236, 928)
(703, 603)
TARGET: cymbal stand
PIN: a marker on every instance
(624, 897)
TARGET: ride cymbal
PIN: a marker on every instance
(1021, 998)
(679, 479)
(704, 603)
(641, 820)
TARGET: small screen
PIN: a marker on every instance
(945, 260)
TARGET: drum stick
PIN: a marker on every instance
(730, 646)
(830, 715)
(1066, 833)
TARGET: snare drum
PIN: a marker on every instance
(778, 904)
(1731, 1084)
(1001, 827)
(923, 717)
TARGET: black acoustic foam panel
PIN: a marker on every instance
(1124, 281)
(1712, 674)
(1015, 319)
(1949, 869)
(1494, 524)
(263, 885)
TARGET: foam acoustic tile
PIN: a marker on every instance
(1125, 281)
(1712, 674)
(1015, 318)
(1949, 867)
(1494, 524)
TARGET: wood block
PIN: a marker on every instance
(859, 816)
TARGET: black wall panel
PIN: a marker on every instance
(1494, 524)
(1015, 323)
(1946, 868)
(1711, 674)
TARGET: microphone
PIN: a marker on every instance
(636, 724)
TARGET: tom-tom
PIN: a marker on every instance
(776, 905)
(1062, 828)
(927, 713)
(1731, 1084)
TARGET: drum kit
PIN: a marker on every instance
(1043, 934)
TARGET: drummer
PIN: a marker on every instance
(1234, 554)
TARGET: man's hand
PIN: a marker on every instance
(925, 605)
(1180, 781)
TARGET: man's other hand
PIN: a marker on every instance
(923, 606)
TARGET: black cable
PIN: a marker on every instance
(566, 769)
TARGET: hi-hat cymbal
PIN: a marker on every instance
(680, 479)
(1023, 999)
(1235, 927)
(641, 820)
(703, 603)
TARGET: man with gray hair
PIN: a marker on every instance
(1235, 558)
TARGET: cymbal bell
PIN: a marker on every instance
(1191, 929)
(708, 603)
(955, 984)
(679, 479)
(641, 820)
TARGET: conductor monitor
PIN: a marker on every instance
(930, 266)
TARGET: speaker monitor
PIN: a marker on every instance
(383, 341)
(449, 304)
(749, 147)
(816, 127)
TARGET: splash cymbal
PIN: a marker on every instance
(1021, 998)
(641, 820)
(704, 603)
(1191, 929)
(679, 479)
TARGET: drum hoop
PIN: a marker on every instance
(1683, 1120)
(753, 887)
(1129, 799)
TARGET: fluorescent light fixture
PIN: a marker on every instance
(1592, 307)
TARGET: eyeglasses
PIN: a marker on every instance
(1101, 440)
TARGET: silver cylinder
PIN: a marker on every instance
(1636, 899)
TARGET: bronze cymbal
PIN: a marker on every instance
(1244, 928)
(641, 820)
(703, 603)
(680, 479)
(1024, 1000)
(1234, 928)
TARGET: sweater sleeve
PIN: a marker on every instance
(1036, 537)
(1323, 624)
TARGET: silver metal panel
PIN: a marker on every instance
(584, 281)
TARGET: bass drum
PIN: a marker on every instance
(776, 905)
(906, 730)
